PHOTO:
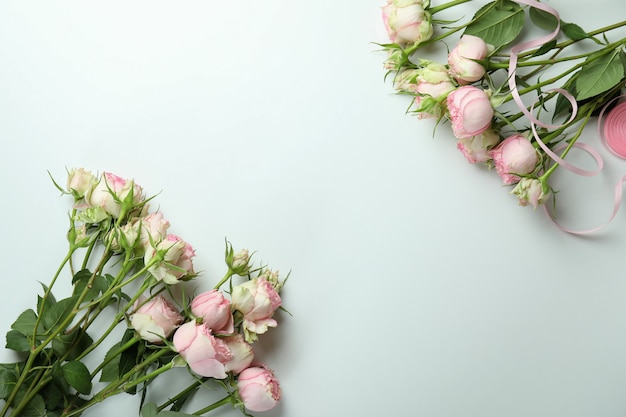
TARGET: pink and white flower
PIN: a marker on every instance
(461, 59)
(470, 111)
(214, 310)
(476, 148)
(258, 388)
(205, 354)
(153, 230)
(155, 319)
(531, 191)
(80, 182)
(515, 156)
(256, 300)
(242, 354)
(407, 21)
(111, 192)
(173, 260)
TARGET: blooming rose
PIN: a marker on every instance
(242, 354)
(155, 319)
(153, 229)
(257, 300)
(470, 111)
(476, 148)
(461, 59)
(214, 310)
(407, 22)
(176, 263)
(514, 156)
(111, 192)
(80, 182)
(258, 389)
(205, 354)
(531, 191)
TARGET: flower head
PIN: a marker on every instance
(515, 156)
(112, 194)
(470, 111)
(531, 191)
(407, 22)
(155, 319)
(461, 59)
(205, 354)
(170, 260)
(258, 388)
(214, 310)
(256, 300)
(476, 148)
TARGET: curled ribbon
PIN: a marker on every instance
(613, 132)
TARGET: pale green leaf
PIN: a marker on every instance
(497, 23)
(599, 76)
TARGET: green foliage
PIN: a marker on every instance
(55, 315)
(497, 23)
(25, 323)
(151, 410)
(72, 344)
(573, 31)
(8, 378)
(543, 20)
(17, 341)
(77, 375)
(599, 75)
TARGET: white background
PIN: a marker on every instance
(418, 285)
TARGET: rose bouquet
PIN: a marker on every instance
(130, 297)
(514, 100)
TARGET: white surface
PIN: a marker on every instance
(418, 286)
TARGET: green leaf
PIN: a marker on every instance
(545, 48)
(72, 344)
(543, 20)
(25, 323)
(98, 286)
(17, 341)
(497, 23)
(573, 31)
(8, 378)
(82, 275)
(111, 371)
(58, 312)
(149, 410)
(599, 76)
(50, 300)
(167, 413)
(77, 375)
(53, 397)
(35, 408)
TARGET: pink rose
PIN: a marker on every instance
(176, 263)
(155, 319)
(476, 148)
(513, 157)
(407, 22)
(80, 182)
(111, 192)
(242, 354)
(205, 354)
(460, 59)
(257, 300)
(531, 191)
(258, 389)
(153, 229)
(470, 111)
(214, 310)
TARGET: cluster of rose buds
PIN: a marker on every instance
(214, 333)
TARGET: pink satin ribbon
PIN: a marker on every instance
(613, 134)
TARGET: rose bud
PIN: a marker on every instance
(214, 310)
(153, 230)
(257, 300)
(80, 182)
(205, 354)
(461, 59)
(531, 191)
(112, 192)
(476, 148)
(171, 251)
(258, 389)
(155, 319)
(513, 157)
(242, 354)
(470, 111)
(407, 22)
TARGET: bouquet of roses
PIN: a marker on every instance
(514, 102)
(128, 276)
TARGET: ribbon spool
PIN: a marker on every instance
(614, 130)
